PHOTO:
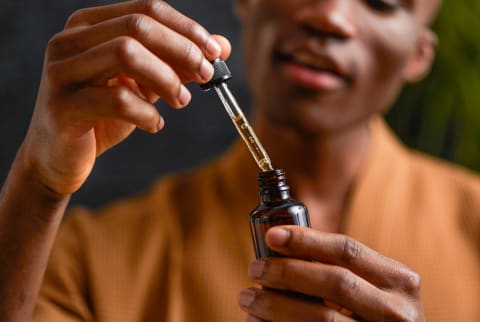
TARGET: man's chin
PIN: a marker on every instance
(315, 125)
(309, 128)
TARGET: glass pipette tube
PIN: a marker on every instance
(243, 127)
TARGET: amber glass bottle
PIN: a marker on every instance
(276, 208)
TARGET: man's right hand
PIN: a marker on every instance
(101, 77)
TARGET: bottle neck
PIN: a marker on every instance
(274, 196)
(273, 187)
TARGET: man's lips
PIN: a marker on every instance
(316, 72)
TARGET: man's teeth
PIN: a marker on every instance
(310, 61)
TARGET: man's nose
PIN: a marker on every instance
(328, 18)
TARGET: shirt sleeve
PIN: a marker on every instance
(63, 296)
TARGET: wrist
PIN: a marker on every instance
(24, 185)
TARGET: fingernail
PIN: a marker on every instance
(246, 297)
(277, 236)
(213, 48)
(184, 96)
(160, 124)
(206, 71)
(256, 269)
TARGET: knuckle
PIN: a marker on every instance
(54, 45)
(76, 18)
(193, 54)
(194, 29)
(54, 73)
(126, 50)
(351, 250)
(137, 24)
(121, 100)
(62, 44)
(153, 7)
(347, 284)
(412, 281)
(172, 84)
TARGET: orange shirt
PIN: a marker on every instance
(180, 251)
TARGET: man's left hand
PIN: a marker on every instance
(329, 277)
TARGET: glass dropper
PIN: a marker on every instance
(221, 76)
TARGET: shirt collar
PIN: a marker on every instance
(239, 172)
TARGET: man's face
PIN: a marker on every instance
(319, 66)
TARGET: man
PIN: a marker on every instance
(321, 73)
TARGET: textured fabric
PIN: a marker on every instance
(180, 252)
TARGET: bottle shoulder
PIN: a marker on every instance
(279, 208)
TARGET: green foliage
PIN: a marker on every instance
(441, 115)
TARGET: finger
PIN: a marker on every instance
(91, 104)
(329, 282)
(141, 90)
(121, 56)
(225, 44)
(158, 10)
(336, 249)
(149, 94)
(274, 306)
(252, 318)
(173, 48)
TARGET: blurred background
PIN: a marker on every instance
(440, 115)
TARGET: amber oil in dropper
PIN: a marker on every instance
(243, 127)
(219, 82)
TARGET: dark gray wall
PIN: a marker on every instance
(190, 137)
